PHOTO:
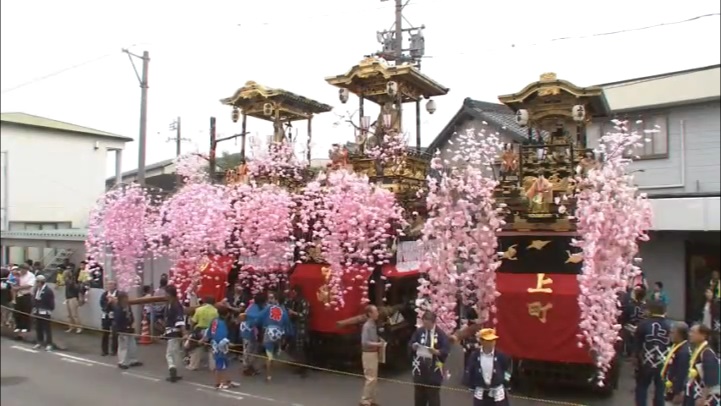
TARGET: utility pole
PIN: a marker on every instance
(175, 126)
(143, 80)
(399, 31)
(392, 40)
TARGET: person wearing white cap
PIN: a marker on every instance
(43, 306)
(488, 372)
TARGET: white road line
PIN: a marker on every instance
(139, 376)
(248, 395)
(222, 394)
(74, 361)
(89, 361)
(23, 348)
(251, 396)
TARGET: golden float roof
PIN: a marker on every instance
(550, 87)
(251, 98)
(369, 78)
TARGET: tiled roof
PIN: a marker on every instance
(493, 113)
(50, 124)
(70, 234)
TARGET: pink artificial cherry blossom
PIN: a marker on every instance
(460, 232)
(612, 218)
(116, 231)
(351, 222)
(192, 223)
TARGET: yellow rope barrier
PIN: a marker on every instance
(312, 367)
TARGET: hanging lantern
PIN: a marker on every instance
(579, 113)
(267, 109)
(387, 120)
(431, 106)
(365, 123)
(522, 117)
(235, 114)
(343, 95)
(392, 88)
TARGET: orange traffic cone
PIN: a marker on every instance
(145, 337)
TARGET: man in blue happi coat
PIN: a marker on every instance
(675, 368)
(652, 341)
(632, 312)
(429, 347)
(275, 324)
(249, 333)
(703, 383)
(488, 372)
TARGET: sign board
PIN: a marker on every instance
(409, 254)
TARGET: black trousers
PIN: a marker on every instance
(23, 308)
(43, 330)
(427, 396)
(107, 325)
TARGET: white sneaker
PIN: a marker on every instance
(17, 330)
(78, 330)
(37, 346)
(70, 330)
(24, 330)
(49, 348)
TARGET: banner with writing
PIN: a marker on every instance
(409, 254)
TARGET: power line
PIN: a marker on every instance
(596, 35)
(56, 73)
(475, 52)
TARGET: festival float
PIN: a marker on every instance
(562, 263)
(381, 155)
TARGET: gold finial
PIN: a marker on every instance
(548, 77)
(369, 60)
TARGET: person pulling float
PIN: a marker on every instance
(275, 322)
(488, 372)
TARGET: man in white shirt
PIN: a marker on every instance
(488, 372)
(23, 300)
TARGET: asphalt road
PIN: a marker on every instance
(81, 376)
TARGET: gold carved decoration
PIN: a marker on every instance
(538, 244)
(548, 77)
(323, 293)
(204, 264)
(541, 282)
(539, 311)
(574, 258)
(510, 253)
(549, 91)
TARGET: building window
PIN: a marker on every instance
(653, 128)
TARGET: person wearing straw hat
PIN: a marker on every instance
(429, 347)
(488, 372)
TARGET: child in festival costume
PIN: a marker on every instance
(702, 384)
(275, 323)
(217, 335)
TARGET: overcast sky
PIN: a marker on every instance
(202, 53)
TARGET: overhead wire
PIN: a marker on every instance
(475, 51)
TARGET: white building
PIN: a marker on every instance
(52, 175)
